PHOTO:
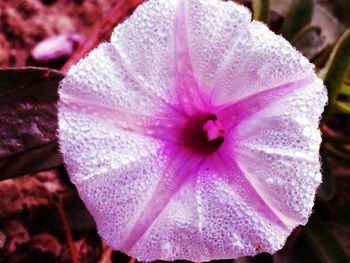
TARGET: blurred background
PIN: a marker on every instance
(42, 218)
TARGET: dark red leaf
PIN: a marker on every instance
(28, 113)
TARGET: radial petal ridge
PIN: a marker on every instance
(91, 146)
(232, 114)
(233, 175)
(176, 233)
(213, 27)
(232, 226)
(284, 137)
(114, 85)
(165, 127)
(191, 98)
(179, 170)
(117, 197)
(259, 60)
(146, 42)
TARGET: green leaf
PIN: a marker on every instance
(299, 15)
(28, 113)
(323, 242)
(345, 88)
(335, 74)
(261, 10)
(342, 107)
(327, 189)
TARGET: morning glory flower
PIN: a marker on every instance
(193, 134)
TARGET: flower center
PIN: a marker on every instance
(203, 134)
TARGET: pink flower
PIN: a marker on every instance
(194, 133)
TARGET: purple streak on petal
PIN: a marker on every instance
(188, 91)
(258, 60)
(166, 128)
(231, 115)
(117, 84)
(213, 28)
(182, 166)
(141, 81)
(277, 192)
(226, 165)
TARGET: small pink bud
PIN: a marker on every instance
(56, 47)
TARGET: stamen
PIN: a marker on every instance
(203, 134)
(214, 129)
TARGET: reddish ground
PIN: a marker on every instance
(24, 23)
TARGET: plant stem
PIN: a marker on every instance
(66, 229)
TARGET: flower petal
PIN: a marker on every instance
(180, 167)
(126, 179)
(233, 114)
(234, 223)
(258, 60)
(175, 234)
(189, 94)
(119, 173)
(146, 42)
(116, 198)
(103, 78)
(213, 216)
(92, 145)
(277, 149)
(213, 27)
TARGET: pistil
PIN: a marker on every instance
(214, 129)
